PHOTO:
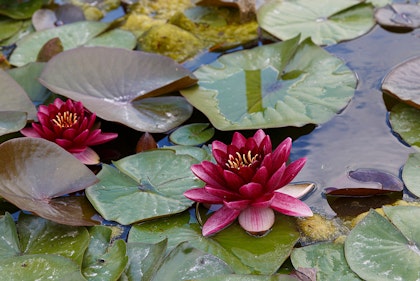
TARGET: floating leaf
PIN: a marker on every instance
(35, 172)
(275, 85)
(44, 19)
(376, 249)
(411, 175)
(116, 38)
(9, 27)
(146, 185)
(49, 50)
(146, 142)
(404, 218)
(325, 21)
(13, 97)
(244, 253)
(402, 82)
(124, 92)
(405, 121)
(103, 261)
(328, 260)
(399, 15)
(71, 36)
(20, 9)
(192, 134)
(12, 121)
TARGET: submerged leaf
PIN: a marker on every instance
(399, 15)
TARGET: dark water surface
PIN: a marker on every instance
(360, 136)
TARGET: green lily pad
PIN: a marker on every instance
(192, 134)
(405, 120)
(12, 121)
(123, 93)
(13, 97)
(377, 249)
(327, 22)
(27, 77)
(146, 185)
(116, 38)
(275, 85)
(402, 82)
(36, 172)
(238, 277)
(19, 9)
(71, 36)
(9, 27)
(404, 217)
(328, 260)
(245, 254)
(103, 261)
(27, 251)
(411, 175)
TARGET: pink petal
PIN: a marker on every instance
(222, 193)
(70, 134)
(261, 176)
(265, 145)
(202, 196)
(238, 205)
(44, 118)
(259, 136)
(64, 143)
(292, 170)
(238, 140)
(30, 132)
(43, 109)
(44, 132)
(282, 152)
(246, 173)
(100, 138)
(207, 173)
(219, 220)
(257, 220)
(88, 156)
(234, 182)
(58, 103)
(251, 190)
(220, 156)
(290, 206)
(276, 179)
(264, 201)
(81, 137)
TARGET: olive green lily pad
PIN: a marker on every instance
(405, 121)
(103, 261)
(275, 85)
(402, 82)
(13, 97)
(192, 134)
(411, 175)
(9, 27)
(71, 35)
(244, 253)
(144, 186)
(116, 38)
(377, 249)
(327, 22)
(36, 172)
(19, 9)
(327, 258)
(123, 93)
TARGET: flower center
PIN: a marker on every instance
(238, 160)
(65, 120)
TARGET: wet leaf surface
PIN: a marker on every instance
(399, 15)
(411, 175)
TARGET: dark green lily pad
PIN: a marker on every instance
(19, 9)
(405, 121)
(377, 249)
(192, 134)
(399, 15)
(36, 172)
(275, 85)
(327, 22)
(103, 261)
(245, 254)
(71, 35)
(125, 92)
(403, 83)
(411, 175)
(13, 97)
(328, 260)
(9, 27)
(144, 186)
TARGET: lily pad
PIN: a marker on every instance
(192, 134)
(399, 15)
(9, 27)
(244, 253)
(71, 36)
(13, 97)
(411, 175)
(116, 38)
(327, 22)
(328, 260)
(36, 172)
(275, 85)
(402, 82)
(125, 92)
(103, 261)
(144, 186)
(405, 121)
(19, 9)
(377, 249)
(12, 121)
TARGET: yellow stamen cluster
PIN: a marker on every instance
(65, 120)
(239, 161)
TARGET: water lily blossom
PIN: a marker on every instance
(72, 127)
(245, 181)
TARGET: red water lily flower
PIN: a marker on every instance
(72, 127)
(246, 180)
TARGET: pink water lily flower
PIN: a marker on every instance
(71, 126)
(246, 180)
